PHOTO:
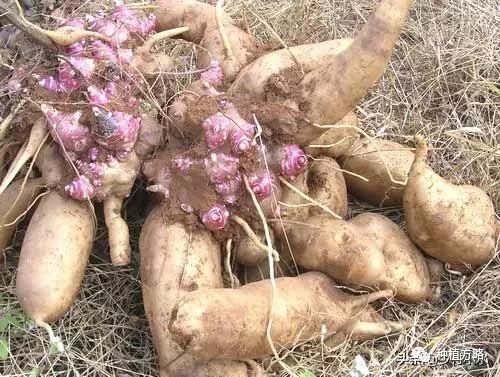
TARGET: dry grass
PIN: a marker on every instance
(444, 82)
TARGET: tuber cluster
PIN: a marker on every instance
(249, 172)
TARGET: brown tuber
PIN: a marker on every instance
(231, 323)
(453, 223)
(54, 255)
(368, 250)
(177, 259)
(373, 159)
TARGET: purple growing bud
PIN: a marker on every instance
(135, 24)
(242, 138)
(182, 163)
(115, 130)
(76, 49)
(103, 51)
(229, 188)
(97, 96)
(221, 167)
(216, 217)
(262, 184)
(49, 83)
(93, 154)
(94, 171)
(217, 128)
(80, 189)
(66, 129)
(294, 161)
(85, 66)
(213, 74)
(124, 55)
(111, 89)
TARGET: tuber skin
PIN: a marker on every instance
(366, 158)
(201, 20)
(455, 224)
(251, 274)
(12, 206)
(336, 142)
(247, 253)
(251, 82)
(231, 323)
(367, 325)
(341, 78)
(345, 78)
(54, 254)
(322, 182)
(369, 250)
(177, 259)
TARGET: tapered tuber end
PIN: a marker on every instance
(118, 232)
(421, 147)
(67, 35)
(371, 297)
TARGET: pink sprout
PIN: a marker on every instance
(182, 163)
(294, 161)
(66, 129)
(111, 89)
(216, 217)
(135, 24)
(217, 128)
(229, 188)
(80, 188)
(124, 55)
(221, 167)
(94, 171)
(242, 138)
(85, 66)
(262, 184)
(93, 154)
(76, 49)
(213, 74)
(115, 130)
(103, 51)
(97, 96)
(49, 83)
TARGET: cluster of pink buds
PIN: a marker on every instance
(104, 96)
(223, 171)
(67, 130)
(216, 217)
(80, 188)
(219, 128)
(242, 138)
(67, 79)
(262, 184)
(182, 163)
(116, 131)
(213, 74)
(134, 24)
(294, 161)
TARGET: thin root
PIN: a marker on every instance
(309, 199)
(31, 147)
(219, 15)
(255, 239)
(8, 119)
(395, 181)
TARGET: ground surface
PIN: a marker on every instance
(443, 82)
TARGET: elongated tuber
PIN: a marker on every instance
(453, 223)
